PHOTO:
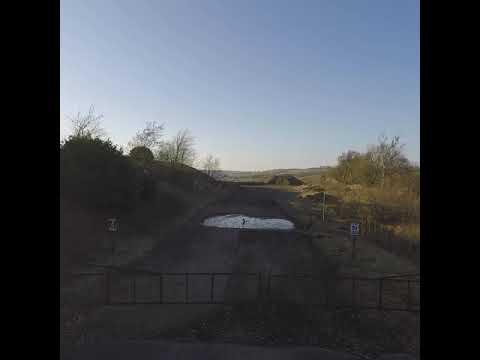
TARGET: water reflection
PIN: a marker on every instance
(238, 221)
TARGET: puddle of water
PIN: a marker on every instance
(237, 221)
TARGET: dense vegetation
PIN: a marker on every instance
(383, 165)
(95, 174)
(385, 179)
(142, 154)
(98, 181)
(379, 188)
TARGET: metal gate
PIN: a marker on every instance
(387, 293)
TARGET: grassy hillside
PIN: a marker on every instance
(99, 182)
(390, 215)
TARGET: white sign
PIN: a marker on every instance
(112, 224)
(354, 229)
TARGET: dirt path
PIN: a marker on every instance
(195, 248)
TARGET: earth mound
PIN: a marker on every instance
(285, 180)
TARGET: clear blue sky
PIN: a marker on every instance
(260, 84)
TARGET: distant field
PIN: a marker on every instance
(314, 179)
(260, 176)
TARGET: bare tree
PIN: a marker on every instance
(149, 137)
(211, 165)
(87, 125)
(345, 165)
(179, 150)
(387, 157)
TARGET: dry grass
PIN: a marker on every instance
(390, 219)
(393, 207)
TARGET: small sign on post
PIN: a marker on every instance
(112, 224)
(112, 227)
(354, 229)
(354, 233)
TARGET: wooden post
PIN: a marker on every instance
(354, 245)
(353, 293)
(323, 208)
(269, 284)
(107, 286)
(113, 246)
(380, 291)
(259, 290)
(134, 289)
(112, 262)
(186, 288)
(408, 295)
(353, 237)
(327, 291)
(384, 237)
(160, 288)
(309, 332)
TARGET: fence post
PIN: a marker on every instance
(354, 246)
(107, 287)
(259, 287)
(327, 291)
(380, 291)
(160, 287)
(269, 285)
(134, 289)
(408, 295)
(353, 293)
(323, 207)
(384, 237)
(211, 286)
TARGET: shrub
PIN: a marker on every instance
(94, 173)
(142, 154)
(148, 192)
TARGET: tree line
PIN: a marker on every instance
(382, 165)
(147, 144)
(98, 174)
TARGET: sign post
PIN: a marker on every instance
(323, 208)
(112, 227)
(354, 233)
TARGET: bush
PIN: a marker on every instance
(148, 191)
(94, 173)
(142, 154)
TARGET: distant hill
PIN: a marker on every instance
(265, 175)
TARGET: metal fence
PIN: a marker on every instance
(387, 293)
(358, 293)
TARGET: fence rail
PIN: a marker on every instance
(404, 295)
